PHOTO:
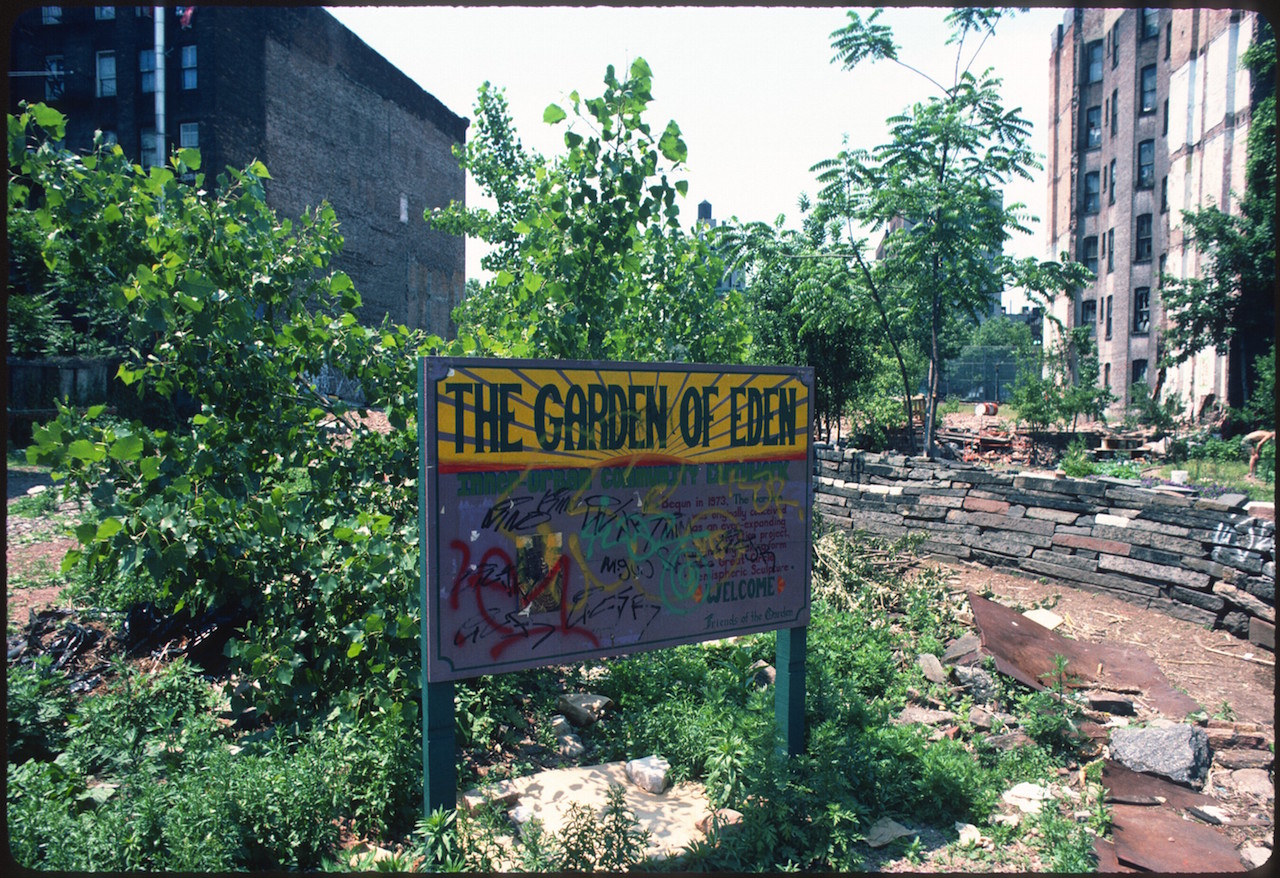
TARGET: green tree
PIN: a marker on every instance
(803, 312)
(1231, 308)
(63, 279)
(589, 258)
(271, 498)
(937, 186)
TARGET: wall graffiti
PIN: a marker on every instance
(583, 510)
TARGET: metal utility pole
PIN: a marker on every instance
(158, 13)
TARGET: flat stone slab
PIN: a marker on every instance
(671, 818)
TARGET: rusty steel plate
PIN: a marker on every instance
(1025, 650)
(1158, 840)
(1124, 782)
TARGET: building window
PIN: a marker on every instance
(1093, 127)
(1091, 183)
(1147, 164)
(54, 70)
(1111, 190)
(1164, 194)
(1164, 127)
(1115, 110)
(1111, 250)
(1139, 372)
(1142, 239)
(1142, 310)
(1149, 88)
(1106, 375)
(147, 71)
(1093, 59)
(1164, 259)
(189, 135)
(188, 67)
(1115, 45)
(106, 74)
(147, 148)
(51, 15)
(1108, 318)
(1089, 314)
(1168, 39)
(1089, 253)
(1150, 23)
(104, 13)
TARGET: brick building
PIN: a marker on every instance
(1148, 116)
(329, 117)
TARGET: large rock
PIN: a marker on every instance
(649, 773)
(932, 668)
(1178, 752)
(981, 684)
(583, 709)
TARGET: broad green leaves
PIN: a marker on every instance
(226, 478)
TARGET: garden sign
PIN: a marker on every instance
(577, 510)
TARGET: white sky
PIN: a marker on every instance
(752, 89)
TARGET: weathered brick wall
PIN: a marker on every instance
(1211, 562)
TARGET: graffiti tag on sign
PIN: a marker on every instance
(577, 510)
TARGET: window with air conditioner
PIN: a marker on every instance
(1093, 127)
(1146, 164)
(1148, 89)
(1142, 310)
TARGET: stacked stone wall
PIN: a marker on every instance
(1208, 561)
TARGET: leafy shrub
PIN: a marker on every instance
(1077, 463)
(38, 703)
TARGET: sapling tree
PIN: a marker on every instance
(260, 494)
(937, 187)
(589, 260)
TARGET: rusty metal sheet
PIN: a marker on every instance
(1105, 851)
(1025, 651)
(1124, 782)
(1159, 840)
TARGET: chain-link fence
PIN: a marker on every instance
(986, 376)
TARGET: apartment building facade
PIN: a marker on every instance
(330, 118)
(1148, 116)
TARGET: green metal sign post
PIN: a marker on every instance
(788, 692)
